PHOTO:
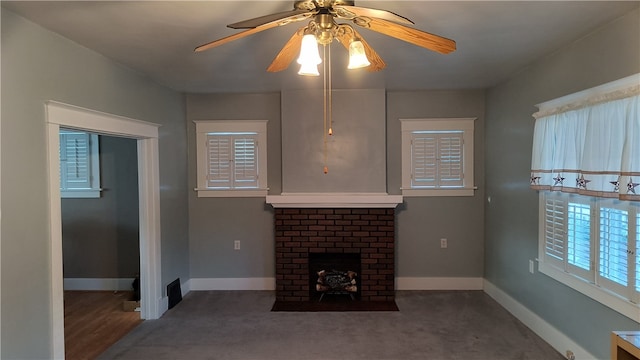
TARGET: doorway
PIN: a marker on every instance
(146, 135)
(101, 247)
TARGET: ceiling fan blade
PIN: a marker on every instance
(288, 52)
(351, 12)
(376, 61)
(293, 15)
(235, 36)
(410, 35)
(251, 31)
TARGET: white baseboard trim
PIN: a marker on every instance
(98, 284)
(438, 283)
(185, 287)
(546, 331)
(163, 304)
(198, 284)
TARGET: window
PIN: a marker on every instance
(437, 157)
(231, 158)
(79, 164)
(591, 244)
(586, 165)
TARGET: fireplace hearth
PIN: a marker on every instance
(360, 240)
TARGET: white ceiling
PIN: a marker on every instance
(494, 40)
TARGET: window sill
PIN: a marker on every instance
(80, 194)
(615, 302)
(203, 193)
(439, 192)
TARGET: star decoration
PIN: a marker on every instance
(535, 180)
(616, 185)
(631, 186)
(558, 180)
(581, 182)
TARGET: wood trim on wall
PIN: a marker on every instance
(59, 114)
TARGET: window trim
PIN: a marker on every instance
(591, 289)
(204, 127)
(466, 125)
(94, 164)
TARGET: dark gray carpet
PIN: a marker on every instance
(447, 325)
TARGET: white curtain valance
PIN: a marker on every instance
(590, 147)
(590, 101)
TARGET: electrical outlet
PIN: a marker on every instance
(531, 267)
(236, 245)
(443, 243)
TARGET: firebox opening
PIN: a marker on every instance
(334, 276)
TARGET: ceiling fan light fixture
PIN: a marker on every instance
(309, 56)
(307, 69)
(357, 57)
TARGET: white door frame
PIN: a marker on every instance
(146, 134)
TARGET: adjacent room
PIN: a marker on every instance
(461, 179)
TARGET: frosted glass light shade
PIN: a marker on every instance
(357, 57)
(308, 70)
(309, 56)
(309, 53)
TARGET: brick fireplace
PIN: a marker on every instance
(366, 231)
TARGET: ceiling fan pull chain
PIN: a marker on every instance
(325, 170)
(330, 90)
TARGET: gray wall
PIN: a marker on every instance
(214, 223)
(100, 236)
(355, 153)
(610, 53)
(423, 221)
(37, 66)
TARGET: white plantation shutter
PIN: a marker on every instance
(219, 153)
(567, 236)
(436, 159)
(423, 160)
(591, 244)
(579, 239)
(245, 162)
(450, 159)
(614, 258)
(554, 231)
(75, 167)
(232, 161)
(231, 158)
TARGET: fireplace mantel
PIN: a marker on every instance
(334, 200)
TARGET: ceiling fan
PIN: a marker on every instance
(323, 15)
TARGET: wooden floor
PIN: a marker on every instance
(95, 320)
